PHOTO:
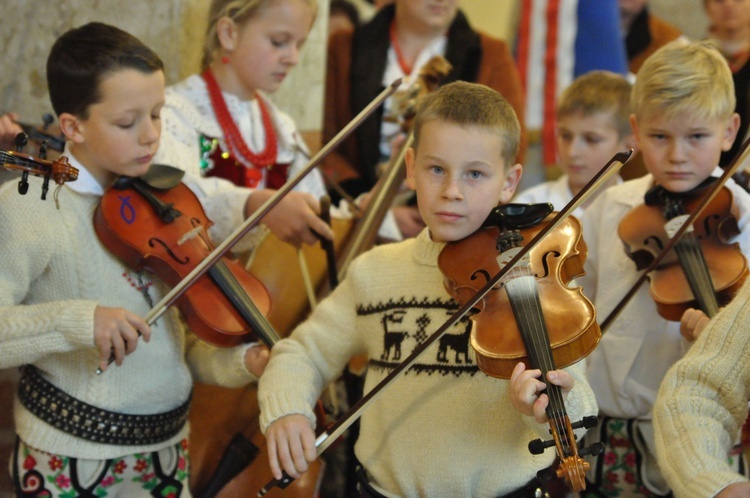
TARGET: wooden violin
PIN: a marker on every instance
(704, 270)
(59, 170)
(534, 317)
(161, 227)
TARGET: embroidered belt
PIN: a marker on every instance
(86, 421)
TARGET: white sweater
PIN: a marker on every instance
(444, 428)
(53, 274)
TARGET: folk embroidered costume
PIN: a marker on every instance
(361, 63)
(444, 428)
(233, 138)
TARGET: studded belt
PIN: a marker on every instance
(86, 421)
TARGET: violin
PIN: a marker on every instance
(704, 271)
(159, 225)
(534, 317)
(59, 170)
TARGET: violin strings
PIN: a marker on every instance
(694, 265)
(524, 297)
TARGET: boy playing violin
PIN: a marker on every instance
(443, 429)
(683, 118)
(66, 303)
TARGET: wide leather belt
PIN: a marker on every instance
(86, 421)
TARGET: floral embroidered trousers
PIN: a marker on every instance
(160, 474)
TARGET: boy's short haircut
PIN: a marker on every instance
(599, 92)
(685, 77)
(471, 104)
(82, 57)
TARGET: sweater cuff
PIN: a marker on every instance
(279, 405)
(78, 319)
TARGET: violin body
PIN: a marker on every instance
(644, 233)
(558, 258)
(128, 226)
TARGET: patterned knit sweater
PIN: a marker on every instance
(53, 274)
(702, 404)
(444, 428)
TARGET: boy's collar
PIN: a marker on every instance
(86, 184)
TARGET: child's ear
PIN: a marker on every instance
(226, 31)
(730, 132)
(512, 178)
(70, 126)
(411, 182)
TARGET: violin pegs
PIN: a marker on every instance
(47, 119)
(20, 141)
(43, 150)
(23, 184)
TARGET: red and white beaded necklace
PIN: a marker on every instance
(232, 136)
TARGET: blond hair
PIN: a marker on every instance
(471, 104)
(239, 11)
(685, 77)
(598, 92)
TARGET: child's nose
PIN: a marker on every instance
(292, 57)
(150, 132)
(676, 151)
(452, 188)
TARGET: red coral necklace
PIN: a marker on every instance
(232, 136)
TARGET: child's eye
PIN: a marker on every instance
(436, 169)
(125, 126)
(698, 136)
(592, 139)
(474, 175)
(278, 43)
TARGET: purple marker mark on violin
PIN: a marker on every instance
(127, 212)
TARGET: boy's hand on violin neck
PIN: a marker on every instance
(116, 331)
(527, 390)
(256, 359)
(295, 219)
(692, 324)
(291, 445)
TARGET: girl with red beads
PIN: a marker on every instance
(221, 124)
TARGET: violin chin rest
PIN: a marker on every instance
(518, 216)
(163, 176)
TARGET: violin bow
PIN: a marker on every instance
(740, 159)
(325, 439)
(253, 220)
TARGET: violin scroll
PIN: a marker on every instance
(59, 170)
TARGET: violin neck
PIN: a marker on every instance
(693, 263)
(691, 258)
(527, 310)
(233, 290)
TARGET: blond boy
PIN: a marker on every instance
(593, 124)
(683, 118)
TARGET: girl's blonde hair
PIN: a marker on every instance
(685, 77)
(239, 11)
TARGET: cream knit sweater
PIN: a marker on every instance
(53, 274)
(702, 404)
(444, 428)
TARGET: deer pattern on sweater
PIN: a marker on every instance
(407, 323)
